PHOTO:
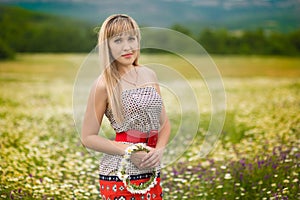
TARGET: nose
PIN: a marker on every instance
(127, 46)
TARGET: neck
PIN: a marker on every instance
(124, 69)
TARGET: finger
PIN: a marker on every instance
(137, 164)
(148, 158)
(148, 155)
(151, 161)
(137, 156)
(151, 165)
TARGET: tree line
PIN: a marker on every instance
(259, 41)
(26, 31)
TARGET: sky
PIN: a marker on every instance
(167, 12)
(202, 3)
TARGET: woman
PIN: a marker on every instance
(129, 95)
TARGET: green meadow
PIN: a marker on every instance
(257, 155)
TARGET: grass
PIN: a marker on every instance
(239, 66)
(257, 156)
(255, 66)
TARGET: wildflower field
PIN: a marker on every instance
(257, 155)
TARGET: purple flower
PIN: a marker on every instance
(276, 197)
(11, 196)
(266, 176)
(259, 163)
(241, 176)
(250, 166)
(283, 155)
(242, 161)
(175, 172)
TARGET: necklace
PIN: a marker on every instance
(136, 78)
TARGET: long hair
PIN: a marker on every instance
(112, 26)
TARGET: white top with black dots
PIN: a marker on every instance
(142, 111)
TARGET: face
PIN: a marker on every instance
(124, 49)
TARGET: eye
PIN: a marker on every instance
(131, 38)
(118, 40)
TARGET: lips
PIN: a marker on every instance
(128, 55)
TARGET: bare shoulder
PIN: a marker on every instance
(99, 88)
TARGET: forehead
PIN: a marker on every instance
(124, 34)
(121, 25)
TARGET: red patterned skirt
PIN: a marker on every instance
(112, 188)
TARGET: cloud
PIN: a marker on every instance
(210, 3)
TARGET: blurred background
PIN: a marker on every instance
(222, 27)
(254, 43)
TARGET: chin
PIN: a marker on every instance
(126, 62)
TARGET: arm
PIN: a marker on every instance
(95, 109)
(165, 130)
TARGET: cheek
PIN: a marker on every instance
(136, 45)
(115, 51)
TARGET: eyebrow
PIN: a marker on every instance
(121, 34)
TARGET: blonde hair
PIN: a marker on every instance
(112, 26)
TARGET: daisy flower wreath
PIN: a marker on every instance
(132, 188)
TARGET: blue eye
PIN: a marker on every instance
(117, 40)
(131, 38)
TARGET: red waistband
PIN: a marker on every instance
(134, 136)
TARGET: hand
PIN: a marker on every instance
(152, 158)
(137, 157)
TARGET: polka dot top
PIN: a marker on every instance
(142, 110)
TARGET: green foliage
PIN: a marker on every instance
(272, 175)
(223, 41)
(5, 51)
(26, 31)
(42, 158)
(258, 156)
(182, 29)
(250, 42)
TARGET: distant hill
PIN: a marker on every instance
(27, 31)
(23, 30)
(282, 16)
